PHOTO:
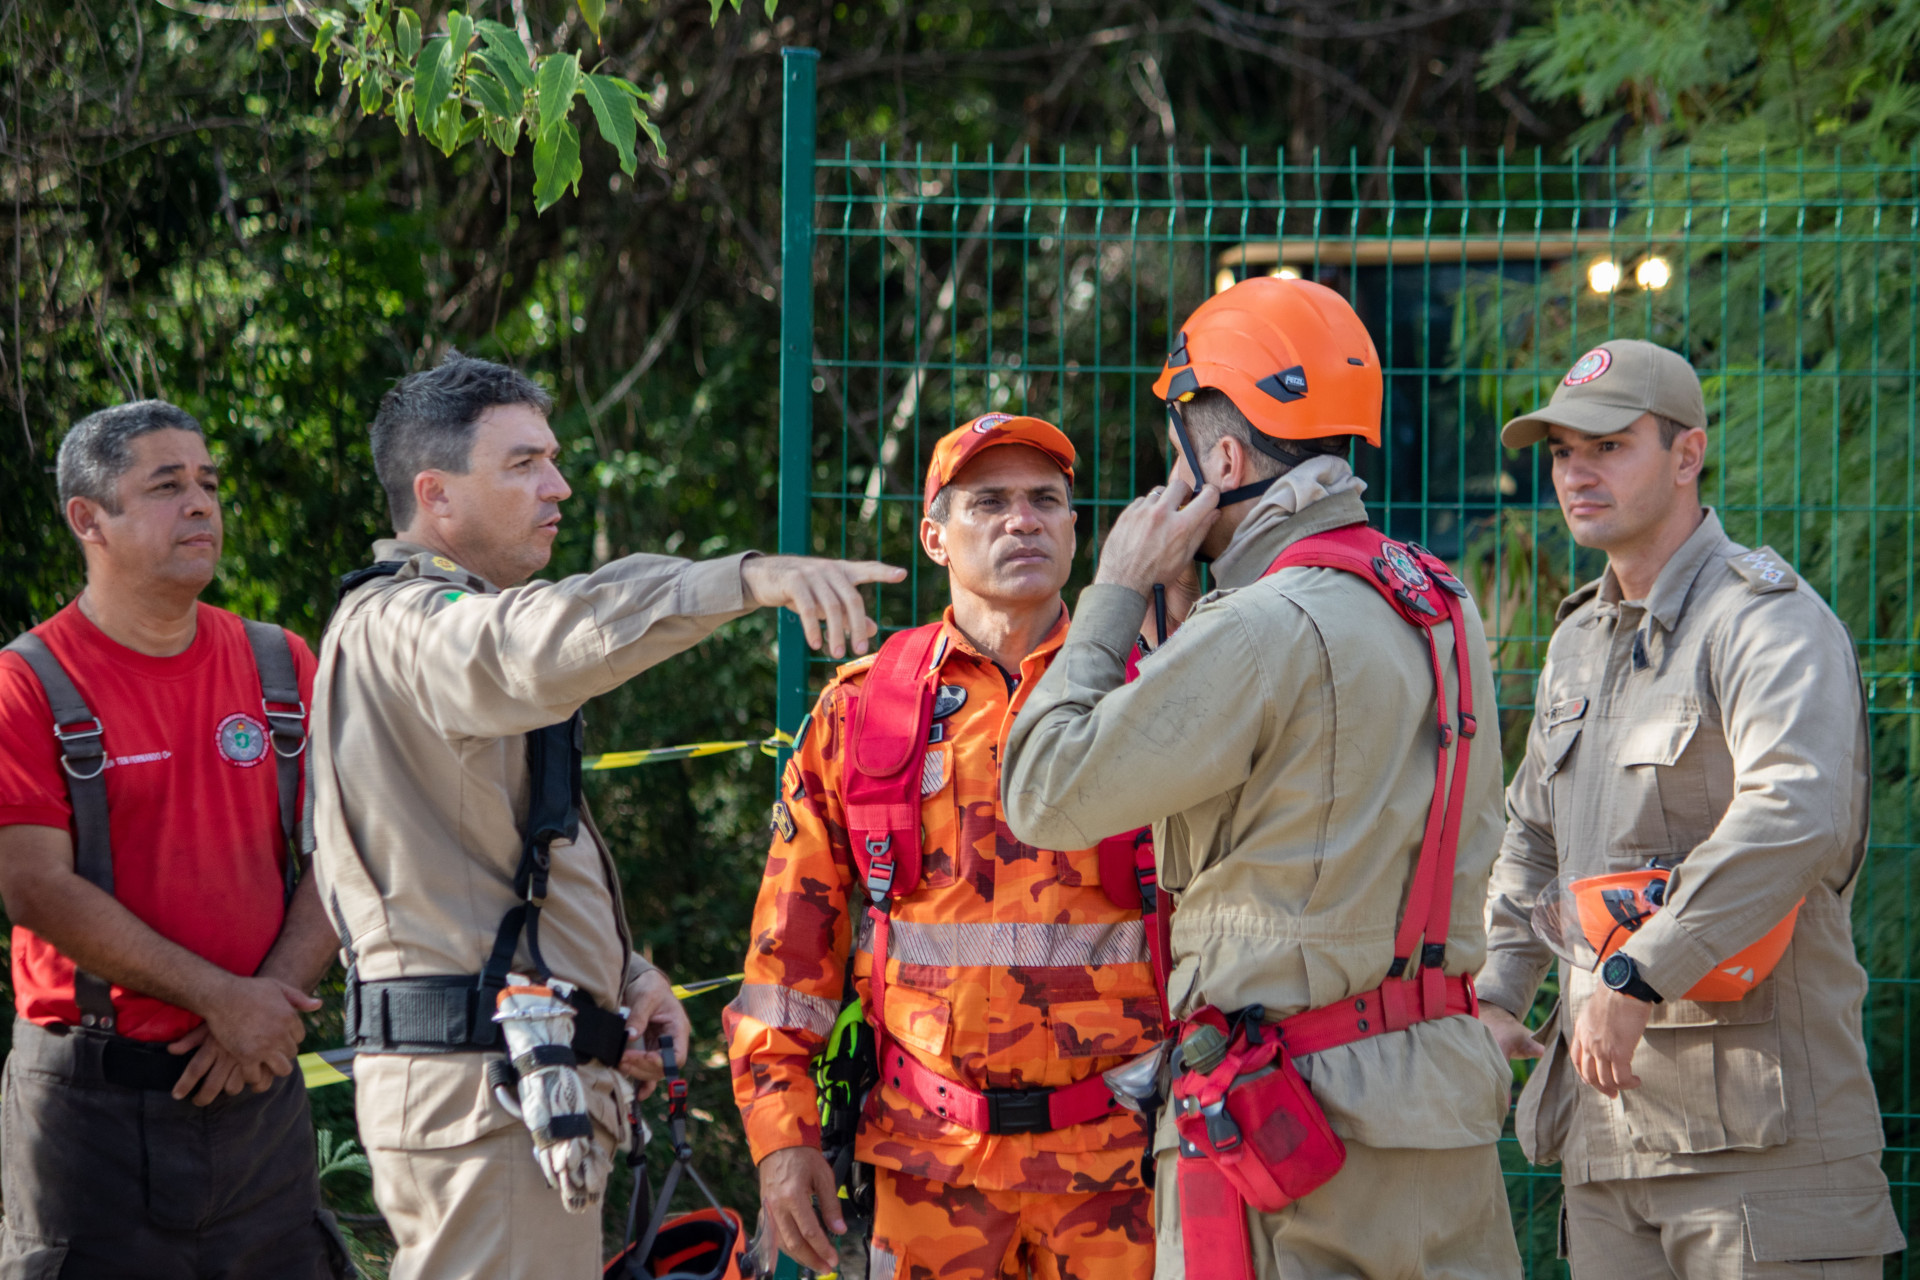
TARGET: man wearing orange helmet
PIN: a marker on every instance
(1697, 770)
(1001, 979)
(1304, 746)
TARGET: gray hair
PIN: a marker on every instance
(426, 422)
(96, 451)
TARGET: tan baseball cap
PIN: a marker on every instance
(1609, 388)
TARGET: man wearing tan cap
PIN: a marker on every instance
(1700, 740)
(1000, 979)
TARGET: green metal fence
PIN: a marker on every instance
(925, 289)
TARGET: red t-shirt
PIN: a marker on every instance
(192, 799)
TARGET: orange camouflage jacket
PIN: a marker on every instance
(1007, 967)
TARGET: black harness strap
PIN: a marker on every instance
(455, 1013)
(83, 758)
(286, 715)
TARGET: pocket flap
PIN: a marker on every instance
(1816, 1226)
(918, 1019)
(1116, 1027)
(1656, 741)
(1754, 1007)
(1560, 740)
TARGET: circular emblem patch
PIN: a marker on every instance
(990, 421)
(1404, 566)
(442, 563)
(242, 740)
(1588, 367)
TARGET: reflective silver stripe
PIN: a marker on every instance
(777, 1006)
(948, 945)
(882, 1263)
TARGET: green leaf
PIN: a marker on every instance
(490, 95)
(557, 80)
(653, 134)
(506, 53)
(556, 165)
(511, 76)
(593, 11)
(771, 6)
(446, 126)
(459, 36)
(432, 77)
(713, 18)
(370, 95)
(612, 103)
(406, 32)
(503, 132)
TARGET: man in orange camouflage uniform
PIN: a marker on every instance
(1008, 966)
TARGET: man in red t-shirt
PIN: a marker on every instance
(132, 1144)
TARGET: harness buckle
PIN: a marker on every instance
(1019, 1110)
(1468, 724)
(68, 755)
(880, 865)
(295, 727)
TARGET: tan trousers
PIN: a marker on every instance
(481, 1212)
(1832, 1221)
(1387, 1215)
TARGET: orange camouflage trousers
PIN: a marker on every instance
(923, 1230)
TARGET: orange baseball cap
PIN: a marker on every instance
(958, 447)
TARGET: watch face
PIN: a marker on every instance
(1616, 971)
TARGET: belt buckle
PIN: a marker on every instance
(1019, 1110)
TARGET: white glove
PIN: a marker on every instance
(549, 1098)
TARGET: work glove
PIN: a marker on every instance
(541, 1087)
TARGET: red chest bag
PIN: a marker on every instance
(1251, 1132)
(889, 721)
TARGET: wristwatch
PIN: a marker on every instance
(1621, 974)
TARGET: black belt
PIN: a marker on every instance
(454, 1014)
(139, 1064)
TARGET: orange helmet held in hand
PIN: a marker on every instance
(1292, 356)
(1586, 919)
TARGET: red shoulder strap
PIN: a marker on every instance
(886, 751)
(1425, 592)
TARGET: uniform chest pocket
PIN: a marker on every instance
(1557, 775)
(1660, 801)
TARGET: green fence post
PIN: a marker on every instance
(796, 364)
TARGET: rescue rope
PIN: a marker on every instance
(335, 1066)
(692, 751)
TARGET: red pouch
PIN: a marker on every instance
(1255, 1120)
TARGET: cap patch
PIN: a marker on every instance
(1588, 367)
(989, 421)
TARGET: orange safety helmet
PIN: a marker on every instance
(1610, 909)
(1292, 356)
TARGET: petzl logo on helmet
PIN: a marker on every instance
(990, 421)
(1404, 566)
(1588, 367)
(242, 740)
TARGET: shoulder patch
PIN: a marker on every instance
(782, 824)
(1763, 570)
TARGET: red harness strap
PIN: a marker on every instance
(1219, 1178)
(888, 726)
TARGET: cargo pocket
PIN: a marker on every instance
(1819, 1226)
(1118, 1027)
(29, 1257)
(1543, 1117)
(1656, 781)
(918, 1019)
(1721, 1086)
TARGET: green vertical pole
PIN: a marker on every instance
(796, 363)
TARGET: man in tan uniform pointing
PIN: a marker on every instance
(1698, 730)
(1284, 742)
(452, 845)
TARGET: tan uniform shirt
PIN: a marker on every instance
(428, 682)
(1288, 729)
(1718, 724)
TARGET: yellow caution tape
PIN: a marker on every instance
(335, 1066)
(692, 751)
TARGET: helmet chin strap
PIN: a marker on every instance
(1231, 496)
